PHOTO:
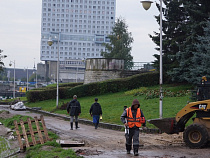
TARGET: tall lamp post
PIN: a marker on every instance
(10, 64)
(146, 6)
(35, 71)
(77, 63)
(51, 40)
(27, 79)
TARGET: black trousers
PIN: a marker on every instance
(132, 137)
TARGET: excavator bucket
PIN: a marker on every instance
(165, 125)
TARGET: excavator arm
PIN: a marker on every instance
(177, 124)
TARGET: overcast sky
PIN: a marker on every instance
(20, 30)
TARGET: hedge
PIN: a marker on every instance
(108, 86)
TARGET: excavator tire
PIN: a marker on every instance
(196, 136)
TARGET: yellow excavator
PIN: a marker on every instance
(196, 135)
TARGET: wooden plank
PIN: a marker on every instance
(25, 122)
(70, 143)
(24, 133)
(28, 133)
(31, 131)
(39, 131)
(44, 127)
(18, 135)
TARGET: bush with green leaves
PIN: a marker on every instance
(154, 93)
(108, 86)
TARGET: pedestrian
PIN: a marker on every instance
(133, 118)
(74, 110)
(96, 112)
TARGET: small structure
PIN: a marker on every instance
(100, 69)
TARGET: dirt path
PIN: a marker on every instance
(105, 143)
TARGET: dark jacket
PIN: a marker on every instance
(96, 109)
(74, 108)
(124, 115)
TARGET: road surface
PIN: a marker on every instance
(105, 143)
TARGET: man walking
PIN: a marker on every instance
(96, 111)
(133, 118)
(74, 109)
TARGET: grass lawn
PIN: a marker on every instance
(113, 104)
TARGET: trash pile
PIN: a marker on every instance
(18, 106)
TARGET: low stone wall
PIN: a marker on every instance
(96, 76)
(101, 69)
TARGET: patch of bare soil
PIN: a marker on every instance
(86, 152)
(152, 141)
(5, 115)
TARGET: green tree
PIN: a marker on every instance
(1, 60)
(197, 13)
(3, 75)
(120, 44)
(24, 79)
(200, 57)
(173, 34)
(32, 78)
(183, 22)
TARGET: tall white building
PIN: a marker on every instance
(83, 25)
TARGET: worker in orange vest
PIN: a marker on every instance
(133, 118)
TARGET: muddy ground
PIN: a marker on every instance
(105, 143)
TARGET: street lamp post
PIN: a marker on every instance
(36, 77)
(14, 77)
(146, 5)
(27, 79)
(77, 71)
(35, 72)
(50, 42)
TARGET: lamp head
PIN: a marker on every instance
(10, 64)
(50, 42)
(146, 4)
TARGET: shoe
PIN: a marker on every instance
(76, 124)
(128, 148)
(71, 126)
(136, 152)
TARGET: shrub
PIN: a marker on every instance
(151, 94)
(108, 86)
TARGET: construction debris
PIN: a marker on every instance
(70, 143)
(26, 133)
(18, 106)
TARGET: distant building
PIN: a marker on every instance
(19, 73)
(83, 25)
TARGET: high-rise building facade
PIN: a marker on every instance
(81, 26)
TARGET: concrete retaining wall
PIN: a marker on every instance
(101, 69)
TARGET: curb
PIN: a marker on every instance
(88, 122)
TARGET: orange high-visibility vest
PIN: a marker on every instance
(131, 121)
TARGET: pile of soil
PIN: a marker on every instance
(5, 114)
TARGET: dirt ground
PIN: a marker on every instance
(105, 143)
